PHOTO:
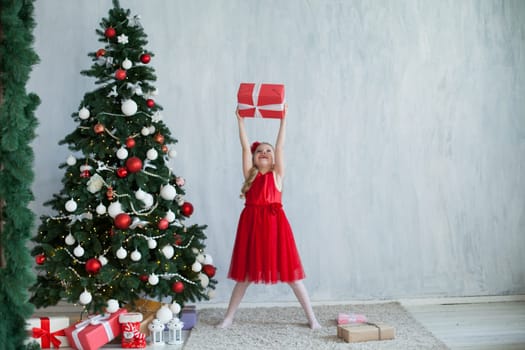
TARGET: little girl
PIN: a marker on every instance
(264, 250)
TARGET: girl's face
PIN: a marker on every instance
(263, 156)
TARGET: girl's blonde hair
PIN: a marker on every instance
(252, 173)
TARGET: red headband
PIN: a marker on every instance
(254, 146)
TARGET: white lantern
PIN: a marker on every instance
(156, 328)
(175, 331)
(129, 107)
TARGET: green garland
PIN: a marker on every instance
(17, 130)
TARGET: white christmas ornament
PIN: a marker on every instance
(114, 209)
(195, 250)
(153, 279)
(103, 260)
(129, 107)
(208, 260)
(151, 129)
(83, 113)
(122, 253)
(148, 201)
(168, 251)
(101, 209)
(172, 153)
(144, 131)
(95, 183)
(152, 154)
(200, 258)
(211, 293)
(196, 267)
(135, 255)
(168, 192)
(164, 314)
(175, 308)
(152, 244)
(71, 160)
(122, 39)
(112, 306)
(85, 297)
(122, 153)
(140, 194)
(204, 280)
(126, 64)
(78, 251)
(170, 216)
(70, 240)
(71, 205)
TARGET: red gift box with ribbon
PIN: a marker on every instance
(261, 100)
(96, 331)
(48, 331)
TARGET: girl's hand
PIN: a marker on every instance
(285, 110)
(239, 118)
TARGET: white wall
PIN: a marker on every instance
(406, 134)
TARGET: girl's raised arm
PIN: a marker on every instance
(247, 162)
(279, 147)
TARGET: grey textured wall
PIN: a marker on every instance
(406, 133)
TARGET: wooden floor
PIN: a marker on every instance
(479, 326)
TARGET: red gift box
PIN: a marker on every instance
(96, 331)
(261, 100)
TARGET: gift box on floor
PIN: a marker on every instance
(48, 332)
(358, 332)
(148, 309)
(188, 316)
(94, 332)
(261, 100)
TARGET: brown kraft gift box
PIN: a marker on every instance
(358, 332)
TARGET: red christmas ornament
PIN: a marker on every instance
(93, 266)
(145, 58)
(186, 209)
(150, 102)
(109, 193)
(85, 174)
(143, 278)
(120, 74)
(99, 128)
(177, 287)
(165, 149)
(163, 224)
(100, 52)
(209, 270)
(130, 142)
(110, 32)
(134, 164)
(159, 138)
(122, 172)
(122, 221)
(40, 259)
(178, 239)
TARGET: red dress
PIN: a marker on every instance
(264, 250)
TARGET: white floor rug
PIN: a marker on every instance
(286, 328)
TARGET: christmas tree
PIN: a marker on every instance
(119, 232)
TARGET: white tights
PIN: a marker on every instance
(298, 288)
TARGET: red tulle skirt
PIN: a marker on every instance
(265, 249)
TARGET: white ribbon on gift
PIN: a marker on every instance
(255, 98)
(95, 320)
